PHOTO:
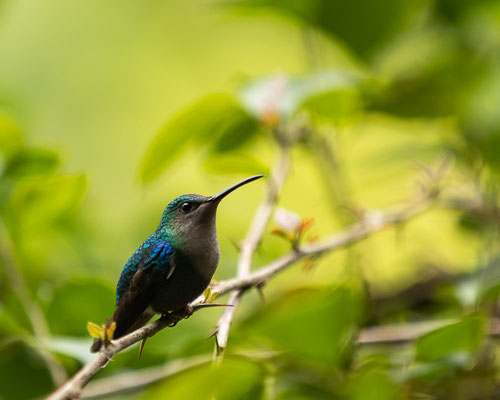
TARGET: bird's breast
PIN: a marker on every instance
(190, 277)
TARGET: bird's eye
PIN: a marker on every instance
(186, 207)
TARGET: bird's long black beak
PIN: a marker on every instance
(225, 192)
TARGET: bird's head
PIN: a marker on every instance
(192, 215)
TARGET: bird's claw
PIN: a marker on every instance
(188, 311)
(175, 316)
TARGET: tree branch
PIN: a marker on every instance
(372, 222)
(249, 246)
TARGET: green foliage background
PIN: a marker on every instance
(108, 110)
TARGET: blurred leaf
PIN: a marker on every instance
(293, 390)
(373, 384)
(234, 379)
(8, 324)
(333, 105)
(79, 301)
(480, 117)
(283, 96)
(235, 164)
(364, 26)
(461, 337)
(31, 162)
(23, 374)
(235, 130)
(216, 119)
(315, 324)
(287, 220)
(13, 314)
(10, 135)
(77, 348)
(453, 10)
(39, 200)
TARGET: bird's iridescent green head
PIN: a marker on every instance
(193, 215)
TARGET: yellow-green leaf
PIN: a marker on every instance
(207, 294)
(94, 330)
(110, 331)
(213, 297)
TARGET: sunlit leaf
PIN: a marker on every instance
(216, 119)
(463, 336)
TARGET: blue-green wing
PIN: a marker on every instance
(152, 254)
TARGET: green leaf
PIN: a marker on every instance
(79, 301)
(460, 337)
(373, 384)
(233, 379)
(333, 105)
(37, 201)
(238, 164)
(309, 324)
(235, 130)
(31, 162)
(216, 119)
(23, 374)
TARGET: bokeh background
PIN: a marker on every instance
(108, 110)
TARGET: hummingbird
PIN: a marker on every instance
(173, 266)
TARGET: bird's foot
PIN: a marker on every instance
(174, 317)
(188, 311)
(170, 319)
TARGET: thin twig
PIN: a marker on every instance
(103, 388)
(407, 332)
(32, 309)
(372, 222)
(249, 246)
